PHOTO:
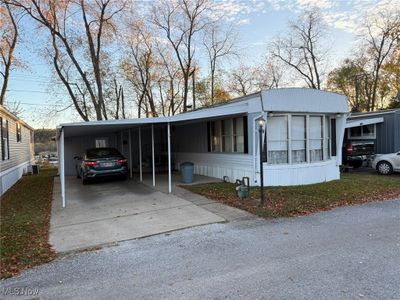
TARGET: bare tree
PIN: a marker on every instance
(15, 108)
(171, 76)
(72, 46)
(370, 79)
(114, 92)
(303, 49)
(181, 21)
(382, 39)
(245, 80)
(139, 65)
(219, 45)
(350, 79)
(242, 81)
(270, 74)
(9, 37)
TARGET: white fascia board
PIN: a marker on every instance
(223, 110)
(303, 100)
(376, 113)
(351, 123)
(229, 109)
(137, 121)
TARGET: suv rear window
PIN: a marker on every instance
(102, 152)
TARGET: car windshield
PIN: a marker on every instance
(102, 152)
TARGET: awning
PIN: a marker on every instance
(350, 123)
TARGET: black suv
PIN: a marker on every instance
(356, 152)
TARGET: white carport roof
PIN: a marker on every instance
(286, 100)
(361, 122)
(92, 127)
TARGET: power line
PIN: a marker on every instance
(31, 91)
(29, 75)
(12, 79)
(35, 104)
(41, 82)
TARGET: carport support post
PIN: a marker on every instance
(130, 154)
(62, 167)
(140, 154)
(169, 158)
(152, 155)
(122, 142)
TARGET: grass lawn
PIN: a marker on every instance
(24, 225)
(352, 188)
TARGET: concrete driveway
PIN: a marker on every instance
(106, 212)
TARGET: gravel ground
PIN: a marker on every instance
(347, 253)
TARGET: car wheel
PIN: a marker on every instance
(356, 164)
(384, 168)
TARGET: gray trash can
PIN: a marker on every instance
(187, 172)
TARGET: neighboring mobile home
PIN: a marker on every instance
(16, 148)
(301, 144)
(380, 127)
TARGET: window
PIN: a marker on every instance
(238, 135)
(101, 142)
(228, 135)
(327, 138)
(19, 133)
(316, 138)
(362, 132)
(277, 134)
(216, 136)
(5, 150)
(298, 139)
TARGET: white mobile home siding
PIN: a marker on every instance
(190, 143)
(21, 153)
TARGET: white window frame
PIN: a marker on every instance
(362, 137)
(321, 139)
(5, 139)
(325, 140)
(231, 134)
(290, 140)
(287, 140)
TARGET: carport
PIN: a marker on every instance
(137, 139)
(125, 135)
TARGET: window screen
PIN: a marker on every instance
(277, 134)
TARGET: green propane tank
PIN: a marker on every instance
(242, 191)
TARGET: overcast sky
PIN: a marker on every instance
(257, 23)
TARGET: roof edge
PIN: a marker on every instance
(15, 118)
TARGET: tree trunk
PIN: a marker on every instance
(8, 61)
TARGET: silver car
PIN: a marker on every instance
(386, 164)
